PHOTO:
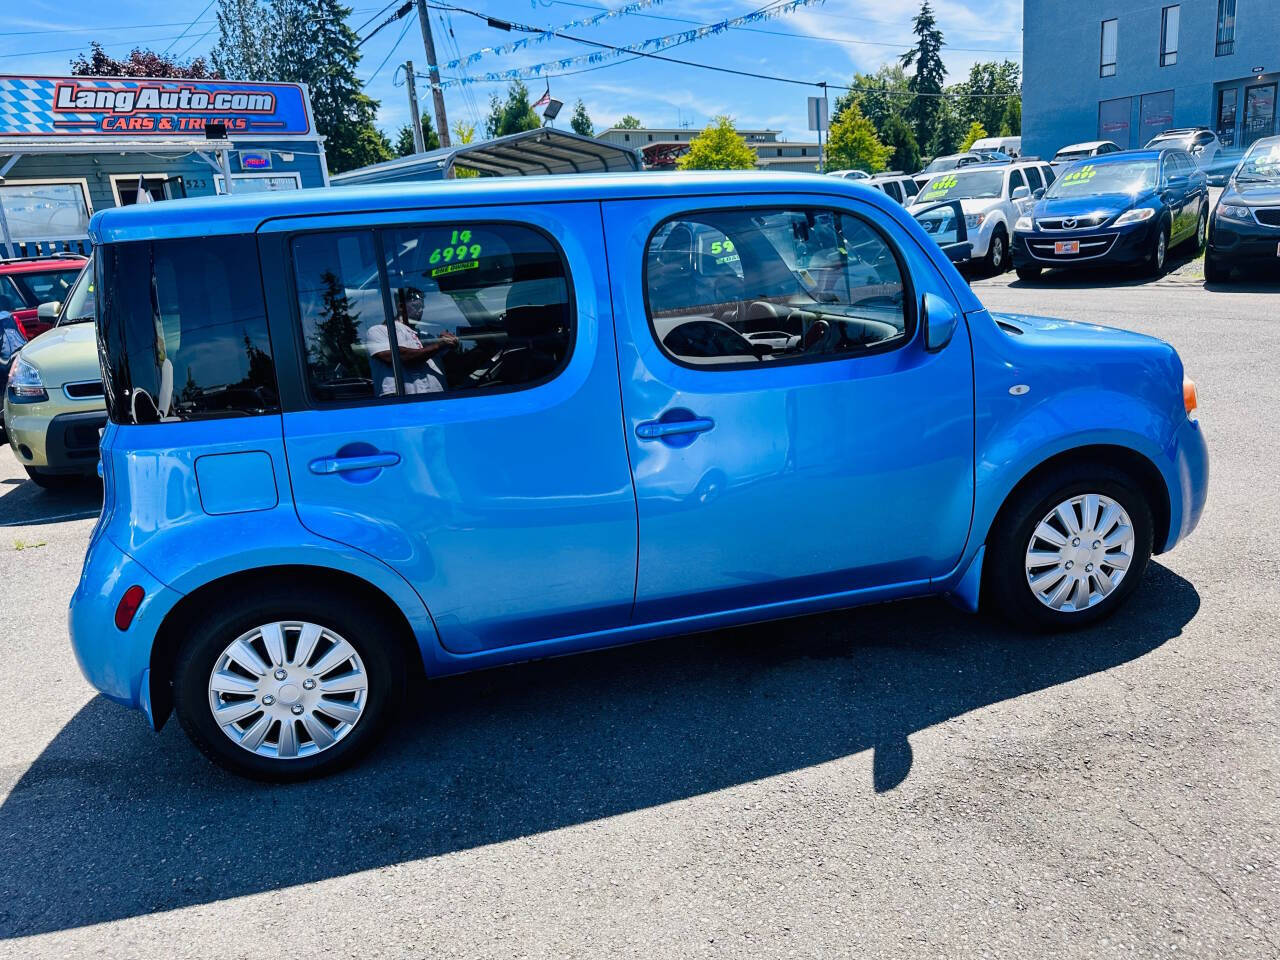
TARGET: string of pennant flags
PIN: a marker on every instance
(543, 36)
(652, 45)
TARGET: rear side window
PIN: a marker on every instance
(431, 311)
(764, 286)
(182, 330)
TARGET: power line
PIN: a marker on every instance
(188, 27)
(399, 40)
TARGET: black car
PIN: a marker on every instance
(1245, 230)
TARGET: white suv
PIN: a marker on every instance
(992, 196)
(1201, 142)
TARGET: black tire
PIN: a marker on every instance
(361, 626)
(1030, 272)
(997, 259)
(52, 481)
(1215, 271)
(1005, 577)
(1197, 240)
(1158, 258)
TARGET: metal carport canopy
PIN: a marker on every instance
(528, 153)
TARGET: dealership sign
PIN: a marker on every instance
(97, 106)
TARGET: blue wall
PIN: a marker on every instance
(1062, 88)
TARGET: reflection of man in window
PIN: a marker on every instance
(418, 360)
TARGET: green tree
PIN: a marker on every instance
(581, 122)
(718, 147)
(243, 51)
(950, 128)
(404, 139)
(989, 90)
(930, 74)
(852, 143)
(312, 43)
(513, 114)
(1011, 122)
(464, 133)
(628, 123)
(975, 132)
(878, 95)
(900, 139)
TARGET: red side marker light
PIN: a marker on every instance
(129, 605)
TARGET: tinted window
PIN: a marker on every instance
(892, 189)
(911, 187)
(183, 330)
(1033, 179)
(1050, 174)
(782, 284)
(1016, 180)
(44, 287)
(10, 297)
(468, 306)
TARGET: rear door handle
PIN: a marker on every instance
(657, 429)
(372, 461)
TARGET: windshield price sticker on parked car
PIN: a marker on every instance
(1081, 176)
(723, 251)
(941, 187)
(459, 254)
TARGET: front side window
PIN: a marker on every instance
(182, 330)
(1033, 179)
(1169, 19)
(435, 310)
(1110, 38)
(763, 286)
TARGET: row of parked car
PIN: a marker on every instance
(1097, 205)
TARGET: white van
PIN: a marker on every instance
(1010, 145)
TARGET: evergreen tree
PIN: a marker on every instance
(513, 114)
(404, 139)
(718, 147)
(878, 95)
(581, 122)
(312, 43)
(628, 122)
(242, 51)
(853, 145)
(900, 139)
(950, 129)
(990, 88)
(930, 74)
(1011, 122)
(975, 132)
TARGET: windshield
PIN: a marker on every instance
(1184, 140)
(1071, 154)
(969, 185)
(79, 306)
(1090, 179)
(942, 163)
(1262, 162)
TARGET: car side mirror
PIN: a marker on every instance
(1038, 193)
(49, 311)
(1020, 193)
(940, 320)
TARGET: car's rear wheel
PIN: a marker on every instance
(289, 686)
(1069, 548)
(1202, 229)
(1029, 272)
(997, 258)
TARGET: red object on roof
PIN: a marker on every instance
(40, 264)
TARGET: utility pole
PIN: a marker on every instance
(415, 122)
(433, 71)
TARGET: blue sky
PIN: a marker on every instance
(826, 41)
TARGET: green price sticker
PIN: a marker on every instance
(459, 248)
(1079, 177)
(940, 187)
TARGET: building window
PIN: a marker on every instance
(259, 182)
(1155, 115)
(45, 210)
(1110, 35)
(1169, 35)
(1226, 44)
(1113, 121)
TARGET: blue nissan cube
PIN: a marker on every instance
(364, 434)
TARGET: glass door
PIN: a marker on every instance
(1259, 112)
(1228, 101)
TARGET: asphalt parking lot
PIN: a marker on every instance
(897, 781)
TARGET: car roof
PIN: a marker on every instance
(1152, 153)
(41, 264)
(1181, 131)
(221, 215)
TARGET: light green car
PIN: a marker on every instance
(53, 406)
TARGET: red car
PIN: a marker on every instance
(27, 282)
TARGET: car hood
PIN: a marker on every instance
(1072, 332)
(65, 354)
(1109, 203)
(1253, 194)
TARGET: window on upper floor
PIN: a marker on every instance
(1169, 22)
(1110, 38)
(1226, 35)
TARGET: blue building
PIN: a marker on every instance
(1124, 70)
(70, 146)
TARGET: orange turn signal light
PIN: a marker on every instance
(1190, 399)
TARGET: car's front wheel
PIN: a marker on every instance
(288, 686)
(997, 258)
(52, 481)
(1159, 253)
(1029, 272)
(1069, 548)
(1215, 271)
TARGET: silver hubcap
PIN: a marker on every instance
(288, 689)
(1200, 231)
(997, 251)
(1160, 249)
(1079, 553)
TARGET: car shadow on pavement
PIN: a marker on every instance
(112, 821)
(23, 504)
(1092, 278)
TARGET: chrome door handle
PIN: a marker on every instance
(373, 461)
(657, 429)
